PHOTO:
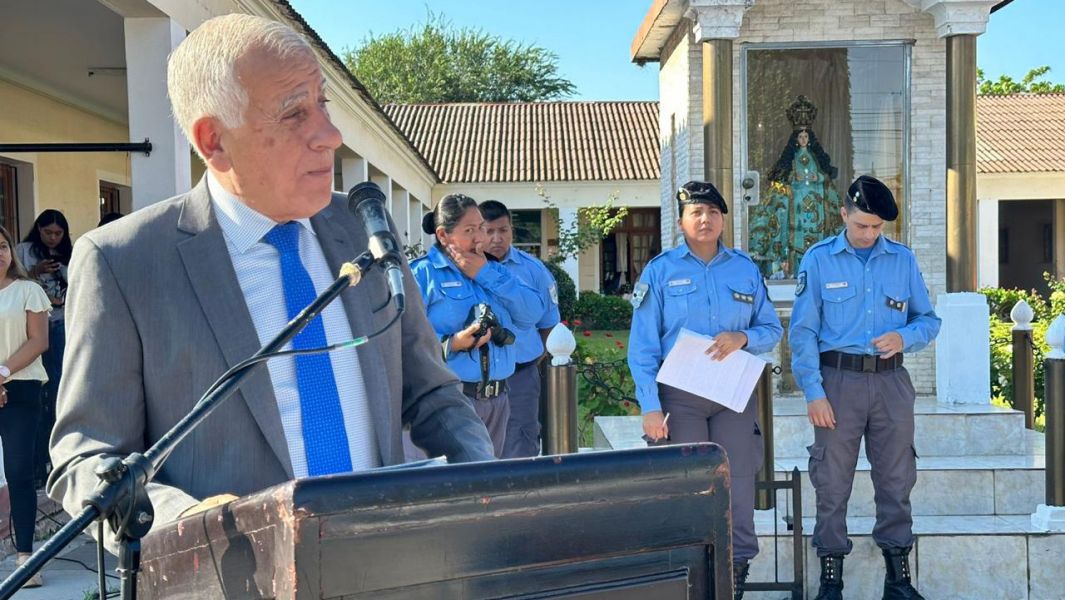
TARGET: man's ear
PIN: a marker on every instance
(207, 137)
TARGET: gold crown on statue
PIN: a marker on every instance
(802, 113)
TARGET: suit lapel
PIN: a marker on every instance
(338, 237)
(214, 282)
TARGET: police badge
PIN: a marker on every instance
(800, 287)
(638, 294)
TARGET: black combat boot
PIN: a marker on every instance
(740, 569)
(831, 578)
(897, 584)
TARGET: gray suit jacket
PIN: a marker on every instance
(155, 314)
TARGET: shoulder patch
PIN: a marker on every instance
(553, 290)
(639, 292)
(800, 287)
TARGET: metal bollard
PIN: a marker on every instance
(558, 398)
(765, 497)
(1023, 363)
(1054, 409)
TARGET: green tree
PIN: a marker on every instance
(436, 62)
(592, 225)
(1032, 83)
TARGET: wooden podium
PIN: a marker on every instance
(636, 524)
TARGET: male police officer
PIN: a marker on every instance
(860, 303)
(523, 427)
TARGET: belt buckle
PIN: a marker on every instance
(868, 363)
(490, 390)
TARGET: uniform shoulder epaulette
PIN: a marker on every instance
(743, 254)
(658, 256)
(822, 244)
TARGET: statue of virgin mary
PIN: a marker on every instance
(802, 206)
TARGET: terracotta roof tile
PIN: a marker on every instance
(534, 141)
(1021, 133)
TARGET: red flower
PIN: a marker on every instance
(619, 344)
(566, 323)
(626, 403)
(577, 322)
(608, 334)
(587, 333)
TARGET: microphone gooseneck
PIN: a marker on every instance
(367, 202)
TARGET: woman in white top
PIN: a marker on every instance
(24, 308)
(45, 254)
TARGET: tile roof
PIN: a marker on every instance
(534, 141)
(1020, 133)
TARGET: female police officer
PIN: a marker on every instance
(458, 284)
(707, 288)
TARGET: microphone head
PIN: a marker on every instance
(364, 191)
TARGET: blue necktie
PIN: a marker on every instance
(325, 442)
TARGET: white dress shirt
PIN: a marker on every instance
(258, 268)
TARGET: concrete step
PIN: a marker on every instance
(954, 558)
(940, 430)
(946, 485)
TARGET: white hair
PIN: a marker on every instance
(202, 75)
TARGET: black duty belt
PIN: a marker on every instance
(531, 363)
(863, 363)
(484, 391)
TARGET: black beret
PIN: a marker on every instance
(701, 192)
(870, 195)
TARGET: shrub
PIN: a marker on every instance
(604, 383)
(603, 312)
(567, 291)
(1002, 361)
(1001, 302)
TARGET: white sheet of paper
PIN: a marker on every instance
(726, 382)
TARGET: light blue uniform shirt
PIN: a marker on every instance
(678, 290)
(449, 295)
(842, 303)
(529, 345)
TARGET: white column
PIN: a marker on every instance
(428, 239)
(568, 218)
(414, 216)
(167, 171)
(385, 183)
(353, 171)
(400, 205)
(987, 242)
(963, 349)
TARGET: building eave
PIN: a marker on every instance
(658, 24)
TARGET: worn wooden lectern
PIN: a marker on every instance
(633, 524)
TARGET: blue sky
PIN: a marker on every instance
(592, 37)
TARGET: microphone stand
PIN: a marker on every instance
(120, 496)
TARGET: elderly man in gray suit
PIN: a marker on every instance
(163, 301)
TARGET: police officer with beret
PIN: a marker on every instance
(710, 289)
(523, 428)
(860, 303)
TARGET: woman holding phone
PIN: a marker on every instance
(45, 254)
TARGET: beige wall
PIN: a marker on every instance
(69, 182)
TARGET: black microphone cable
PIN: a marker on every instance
(254, 360)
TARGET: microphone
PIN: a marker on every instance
(366, 200)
